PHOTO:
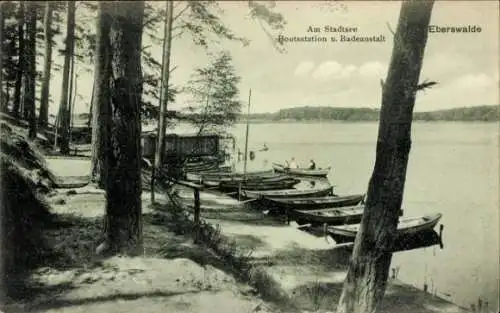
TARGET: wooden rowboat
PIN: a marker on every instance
(255, 179)
(196, 175)
(213, 176)
(236, 181)
(330, 216)
(320, 172)
(313, 203)
(407, 226)
(286, 193)
(266, 184)
(201, 168)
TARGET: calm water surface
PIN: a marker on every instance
(453, 169)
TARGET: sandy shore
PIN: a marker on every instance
(310, 269)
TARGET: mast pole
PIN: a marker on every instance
(246, 136)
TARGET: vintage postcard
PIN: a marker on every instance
(249, 156)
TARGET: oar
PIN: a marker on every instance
(294, 224)
(248, 201)
(211, 188)
(340, 245)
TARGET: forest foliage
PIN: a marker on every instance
(485, 113)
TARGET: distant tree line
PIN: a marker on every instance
(485, 113)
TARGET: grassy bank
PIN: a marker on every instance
(238, 261)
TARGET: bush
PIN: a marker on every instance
(24, 212)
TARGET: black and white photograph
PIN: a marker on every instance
(250, 156)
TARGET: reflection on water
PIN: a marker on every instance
(453, 169)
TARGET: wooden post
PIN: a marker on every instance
(441, 228)
(197, 212)
(246, 137)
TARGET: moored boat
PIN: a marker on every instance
(330, 216)
(287, 193)
(196, 175)
(320, 172)
(215, 175)
(312, 203)
(264, 184)
(255, 179)
(200, 168)
(406, 226)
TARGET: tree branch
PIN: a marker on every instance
(390, 28)
(181, 12)
(426, 85)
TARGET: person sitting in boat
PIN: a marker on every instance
(312, 165)
(293, 163)
(287, 165)
(264, 148)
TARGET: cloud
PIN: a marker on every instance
(470, 89)
(496, 77)
(444, 63)
(349, 70)
(304, 68)
(373, 69)
(473, 82)
(326, 70)
(334, 70)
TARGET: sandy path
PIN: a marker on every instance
(146, 285)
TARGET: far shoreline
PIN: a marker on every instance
(356, 122)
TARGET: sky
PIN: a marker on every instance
(341, 74)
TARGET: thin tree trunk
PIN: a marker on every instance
(162, 120)
(70, 98)
(2, 104)
(101, 96)
(73, 103)
(11, 82)
(123, 187)
(64, 111)
(43, 116)
(91, 106)
(20, 63)
(366, 279)
(30, 75)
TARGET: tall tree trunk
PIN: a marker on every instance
(30, 75)
(16, 109)
(71, 112)
(43, 115)
(64, 111)
(123, 187)
(2, 104)
(162, 119)
(101, 96)
(366, 279)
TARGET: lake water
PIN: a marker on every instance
(453, 169)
